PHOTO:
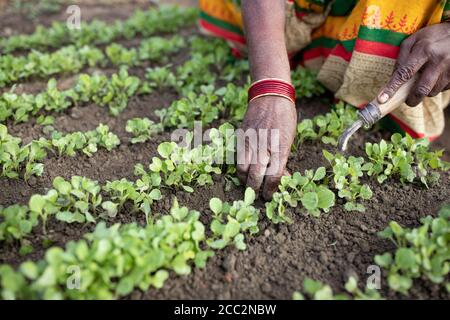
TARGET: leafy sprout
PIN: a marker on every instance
(17, 222)
(346, 178)
(309, 190)
(421, 252)
(327, 127)
(410, 159)
(306, 84)
(142, 129)
(129, 256)
(184, 112)
(87, 142)
(316, 290)
(15, 158)
(231, 221)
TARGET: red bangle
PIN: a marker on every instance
(271, 87)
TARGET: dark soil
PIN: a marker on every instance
(329, 248)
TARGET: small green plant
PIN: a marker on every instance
(141, 193)
(155, 49)
(71, 201)
(121, 56)
(231, 221)
(234, 100)
(160, 77)
(70, 143)
(103, 137)
(114, 260)
(35, 151)
(306, 84)
(183, 167)
(195, 73)
(67, 59)
(186, 166)
(328, 127)
(119, 90)
(422, 252)
(87, 142)
(308, 189)
(12, 155)
(17, 222)
(317, 290)
(45, 120)
(346, 177)
(142, 129)
(113, 93)
(15, 158)
(410, 159)
(217, 50)
(158, 48)
(184, 112)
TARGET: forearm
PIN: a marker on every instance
(264, 22)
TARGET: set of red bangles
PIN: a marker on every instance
(271, 87)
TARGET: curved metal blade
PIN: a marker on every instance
(344, 138)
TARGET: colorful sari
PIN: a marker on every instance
(352, 44)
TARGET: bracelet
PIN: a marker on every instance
(271, 87)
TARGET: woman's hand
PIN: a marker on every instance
(264, 22)
(263, 160)
(426, 52)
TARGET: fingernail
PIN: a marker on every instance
(382, 98)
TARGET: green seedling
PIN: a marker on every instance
(328, 127)
(142, 129)
(129, 257)
(317, 290)
(87, 142)
(141, 193)
(64, 60)
(406, 157)
(160, 77)
(184, 112)
(121, 56)
(234, 101)
(158, 48)
(195, 73)
(346, 177)
(309, 190)
(71, 201)
(230, 222)
(183, 167)
(306, 84)
(422, 252)
(17, 222)
(15, 158)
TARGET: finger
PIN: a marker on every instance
(244, 157)
(424, 84)
(275, 170)
(405, 51)
(440, 86)
(257, 169)
(404, 72)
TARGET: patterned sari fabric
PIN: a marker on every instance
(352, 44)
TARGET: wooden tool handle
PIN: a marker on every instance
(398, 98)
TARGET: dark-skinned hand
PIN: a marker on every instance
(264, 166)
(426, 53)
